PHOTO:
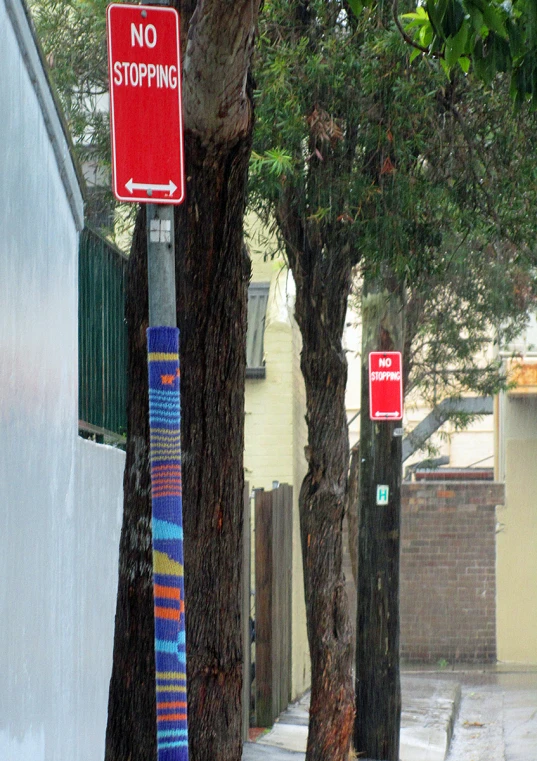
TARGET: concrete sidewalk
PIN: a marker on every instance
(430, 706)
(497, 720)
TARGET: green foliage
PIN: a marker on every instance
(495, 35)
(405, 171)
(72, 34)
(453, 320)
(337, 101)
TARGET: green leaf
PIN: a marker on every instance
(483, 64)
(435, 17)
(445, 65)
(415, 53)
(453, 18)
(456, 46)
(426, 35)
(493, 20)
(356, 6)
(477, 18)
(418, 19)
(516, 40)
(493, 17)
(420, 13)
(464, 63)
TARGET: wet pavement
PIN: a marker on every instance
(497, 720)
(429, 708)
(476, 714)
(478, 734)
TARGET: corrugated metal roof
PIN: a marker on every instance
(257, 310)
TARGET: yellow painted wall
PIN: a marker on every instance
(516, 548)
(275, 432)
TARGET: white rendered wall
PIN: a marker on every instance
(60, 497)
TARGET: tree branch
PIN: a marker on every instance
(407, 38)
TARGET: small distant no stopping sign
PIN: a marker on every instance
(385, 385)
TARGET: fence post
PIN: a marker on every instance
(273, 595)
(263, 609)
(277, 654)
(286, 564)
(282, 543)
(246, 633)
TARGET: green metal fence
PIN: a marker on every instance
(102, 333)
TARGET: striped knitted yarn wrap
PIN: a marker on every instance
(168, 575)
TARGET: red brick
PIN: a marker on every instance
(448, 571)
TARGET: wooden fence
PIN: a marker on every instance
(273, 577)
(245, 615)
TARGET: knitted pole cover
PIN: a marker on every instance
(168, 579)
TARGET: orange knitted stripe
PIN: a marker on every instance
(170, 593)
(170, 613)
(172, 717)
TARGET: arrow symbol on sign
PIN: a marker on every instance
(387, 414)
(170, 188)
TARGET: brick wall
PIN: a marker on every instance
(448, 589)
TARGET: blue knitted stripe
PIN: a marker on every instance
(167, 522)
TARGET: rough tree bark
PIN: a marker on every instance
(212, 277)
(323, 283)
(378, 690)
(351, 509)
(130, 731)
(212, 317)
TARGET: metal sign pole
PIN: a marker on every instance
(161, 265)
(166, 488)
(147, 160)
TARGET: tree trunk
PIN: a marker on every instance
(378, 690)
(212, 276)
(320, 311)
(131, 730)
(351, 510)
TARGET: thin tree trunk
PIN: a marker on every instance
(378, 690)
(320, 311)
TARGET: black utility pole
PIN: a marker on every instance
(378, 689)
